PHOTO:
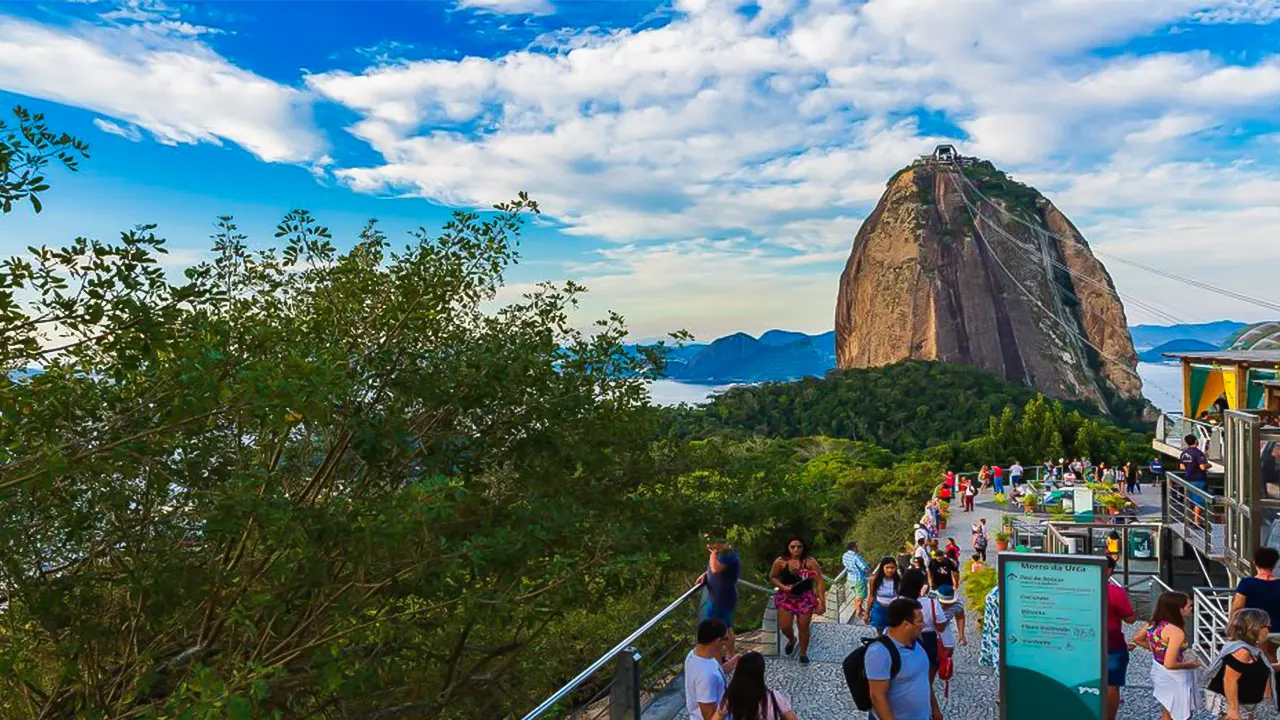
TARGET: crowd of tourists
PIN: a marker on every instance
(918, 620)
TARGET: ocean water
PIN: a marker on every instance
(1161, 383)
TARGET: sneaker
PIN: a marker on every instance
(804, 659)
(790, 648)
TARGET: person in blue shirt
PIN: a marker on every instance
(721, 578)
(1157, 470)
(856, 569)
(907, 695)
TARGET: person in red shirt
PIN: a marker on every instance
(1119, 611)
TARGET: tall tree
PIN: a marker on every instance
(305, 482)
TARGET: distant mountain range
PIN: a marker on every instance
(780, 355)
(775, 355)
(1146, 337)
(1181, 345)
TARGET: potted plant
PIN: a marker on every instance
(942, 518)
(1113, 502)
(1002, 541)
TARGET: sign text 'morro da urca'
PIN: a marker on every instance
(1053, 643)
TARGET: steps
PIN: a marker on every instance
(818, 692)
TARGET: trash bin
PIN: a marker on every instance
(1140, 545)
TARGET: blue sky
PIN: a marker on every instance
(702, 164)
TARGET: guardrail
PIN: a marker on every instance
(1195, 515)
(1171, 428)
(1209, 622)
(623, 696)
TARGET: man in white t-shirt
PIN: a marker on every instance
(704, 680)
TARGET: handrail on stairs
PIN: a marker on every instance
(624, 696)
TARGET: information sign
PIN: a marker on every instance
(1053, 642)
(1081, 500)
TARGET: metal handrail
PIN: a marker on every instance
(611, 654)
(1172, 427)
(1198, 512)
(1212, 614)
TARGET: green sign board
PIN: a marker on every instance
(1053, 640)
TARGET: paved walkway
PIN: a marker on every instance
(818, 691)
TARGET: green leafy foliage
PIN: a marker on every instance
(26, 149)
(306, 481)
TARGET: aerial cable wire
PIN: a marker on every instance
(1073, 273)
(1157, 271)
(975, 215)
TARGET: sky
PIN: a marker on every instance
(701, 165)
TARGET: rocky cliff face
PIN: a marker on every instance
(980, 270)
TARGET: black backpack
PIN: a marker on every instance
(855, 669)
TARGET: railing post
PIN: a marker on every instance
(624, 696)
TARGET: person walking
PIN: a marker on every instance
(1194, 463)
(721, 579)
(1239, 676)
(984, 478)
(935, 619)
(1015, 473)
(908, 694)
(969, 495)
(921, 551)
(997, 478)
(882, 588)
(1195, 470)
(953, 551)
(748, 697)
(1132, 476)
(953, 610)
(1262, 591)
(704, 674)
(856, 572)
(1119, 612)
(980, 539)
(1173, 676)
(943, 571)
(800, 594)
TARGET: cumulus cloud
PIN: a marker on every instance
(128, 132)
(721, 123)
(176, 89)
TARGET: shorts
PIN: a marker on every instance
(858, 589)
(929, 641)
(879, 616)
(724, 615)
(1117, 667)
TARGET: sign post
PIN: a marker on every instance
(1081, 501)
(1053, 642)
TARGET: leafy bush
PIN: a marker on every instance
(976, 587)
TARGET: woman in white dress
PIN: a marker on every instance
(1174, 678)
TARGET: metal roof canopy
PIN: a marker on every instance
(1258, 357)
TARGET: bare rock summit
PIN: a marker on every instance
(959, 263)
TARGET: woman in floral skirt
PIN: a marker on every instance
(800, 593)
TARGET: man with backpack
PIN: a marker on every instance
(889, 676)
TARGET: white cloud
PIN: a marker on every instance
(177, 89)
(510, 7)
(128, 132)
(750, 126)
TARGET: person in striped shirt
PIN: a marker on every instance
(857, 569)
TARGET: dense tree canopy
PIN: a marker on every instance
(909, 406)
(307, 482)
